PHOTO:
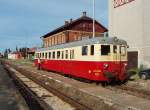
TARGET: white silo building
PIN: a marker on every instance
(130, 20)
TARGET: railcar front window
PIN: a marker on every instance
(84, 50)
(123, 50)
(105, 49)
(115, 49)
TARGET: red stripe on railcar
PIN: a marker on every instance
(86, 69)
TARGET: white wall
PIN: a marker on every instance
(146, 39)
(131, 22)
(11, 56)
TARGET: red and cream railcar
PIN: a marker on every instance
(97, 59)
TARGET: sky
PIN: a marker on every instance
(23, 22)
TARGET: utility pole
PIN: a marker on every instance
(93, 18)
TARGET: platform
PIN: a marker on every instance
(10, 98)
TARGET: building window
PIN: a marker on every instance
(52, 40)
(105, 49)
(66, 54)
(58, 54)
(53, 55)
(49, 55)
(92, 50)
(85, 50)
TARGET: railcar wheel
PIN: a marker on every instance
(97, 83)
(104, 84)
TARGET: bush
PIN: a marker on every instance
(135, 72)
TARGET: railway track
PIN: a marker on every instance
(41, 80)
(124, 88)
(131, 90)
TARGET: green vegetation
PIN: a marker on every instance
(134, 73)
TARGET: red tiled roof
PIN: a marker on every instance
(32, 49)
(67, 26)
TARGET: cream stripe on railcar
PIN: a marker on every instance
(78, 54)
(78, 49)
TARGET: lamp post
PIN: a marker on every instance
(93, 18)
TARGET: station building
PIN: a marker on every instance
(31, 53)
(15, 55)
(73, 30)
(130, 20)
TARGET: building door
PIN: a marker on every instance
(132, 59)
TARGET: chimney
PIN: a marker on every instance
(84, 13)
(66, 22)
(71, 20)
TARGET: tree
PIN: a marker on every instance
(16, 49)
(8, 50)
(6, 53)
(24, 51)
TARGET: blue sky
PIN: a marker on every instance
(23, 22)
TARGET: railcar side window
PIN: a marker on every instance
(105, 49)
(85, 50)
(53, 55)
(62, 55)
(49, 55)
(46, 55)
(58, 54)
(115, 49)
(66, 55)
(71, 54)
(92, 50)
(36, 55)
(42, 55)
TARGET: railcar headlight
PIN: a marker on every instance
(106, 66)
(125, 64)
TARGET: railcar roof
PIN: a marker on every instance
(96, 40)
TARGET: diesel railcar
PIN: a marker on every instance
(97, 59)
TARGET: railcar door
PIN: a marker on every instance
(119, 53)
(123, 55)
